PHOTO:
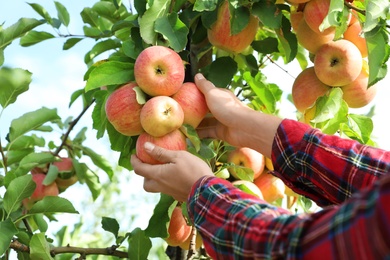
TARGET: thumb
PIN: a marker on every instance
(203, 84)
(158, 153)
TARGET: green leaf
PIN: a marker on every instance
(13, 82)
(52, 204)
(90, 17)
(222, 71)
(333, 18)
(359, 128)
(159, 221)
(19, 188)
(100, 48)
(139, 245)
(32, 160)
(205, 5)
(110, 225)
(146, 22)
(39, 247)
(174, 30)
(70, 43)
(190, 132)
(288, 40)
(110, 73)
(8, 231)
(375, 11)
(239, 19)
(30, 121)
(34, 37)
(268, 13)
(62, 13)
(1, 56)
(378, 55)
(40, 222)
(17, 30)
(266, 46)
(42, 12)
(98, 160)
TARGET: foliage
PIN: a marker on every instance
(120, 34)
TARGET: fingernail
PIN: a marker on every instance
(199, 76)
(149, 146)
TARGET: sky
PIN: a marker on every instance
(57, 74)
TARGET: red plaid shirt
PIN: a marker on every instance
(349, 180)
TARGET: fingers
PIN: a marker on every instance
(203, 84)
(159, 153)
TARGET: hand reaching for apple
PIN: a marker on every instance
(175, 177)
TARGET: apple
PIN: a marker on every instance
(306, 89)
(220, 34)
(338, 63)
(357, 94)
(314, 13)
(248, 187)
(159, 71)
(174, 140)
(268, 164)
(248, 158)
(178, 229)
(123, 110)
(66, 173)
(296, 16)
(271, 187)
(198, 242)
(193, 103)
(40, 191)
(161, 115)
(355, 35)
(311, 40)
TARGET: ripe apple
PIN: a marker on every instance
(296, 16)
(174, 140)
(66, 173)
(355, 34)
(159, 71)
(193, 103)
(221, 36)
(338, 63)
(311, 40)
(40, 191)
(248, 187)
(248, 158)
(178, 229)
(306, 89)
(123, 110)
(314, 13)
(271, 187)
(357, 94)
(161, 115)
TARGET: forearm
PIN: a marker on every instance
(257, 130)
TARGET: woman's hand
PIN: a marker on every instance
(176, 176)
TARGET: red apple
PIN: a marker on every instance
(161, 115)
(311, 40)
(306, 89)
(248, 187)
(123, 110)
(40, 191)
(271, 187)
(221, 36)
(314, 13)
(66, 173)
(175, 140)
(178, 229)
(357, 94)
(159, 71)
(355, 35)
(193, 103)
(248, 158)
(338, 63)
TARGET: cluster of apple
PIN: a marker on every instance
(264, 185)
(168, 103)
(336, 62)
(66, 177)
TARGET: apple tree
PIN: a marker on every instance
(231, 43)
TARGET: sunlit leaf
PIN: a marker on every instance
(13, 82)
(17, 30)
(20, 188)
(174, 30)
(139, 245)
(34, 37)
(63, 14)
(39, 247)
(52, 204)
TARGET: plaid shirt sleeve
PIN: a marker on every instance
(236, 225)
